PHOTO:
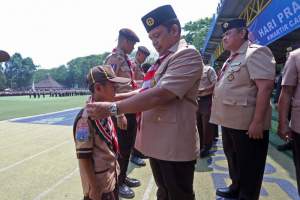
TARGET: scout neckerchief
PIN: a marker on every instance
(226, 64)
(107, 132)
(149, 81)
(132, 82)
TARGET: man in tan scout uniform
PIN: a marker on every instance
(241, 105)
(205, 90)
(168, 133)
(290, 95)
(96, 142)
(122, 66)
(140, 57)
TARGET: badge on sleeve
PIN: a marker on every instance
(114, 66)
(82, 132)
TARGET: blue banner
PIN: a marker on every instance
(278, 19)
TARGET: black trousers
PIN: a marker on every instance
(126, 139)
(205, 129)
(246, 161)
(173, 179)
(296, 155)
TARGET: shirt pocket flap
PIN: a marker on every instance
(164, 116)
(240, 101)
(125, 68)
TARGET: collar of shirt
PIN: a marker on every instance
(119, 51)
(178, 45)
(243, 48)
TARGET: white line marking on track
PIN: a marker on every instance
(43, 194)
(50, 113)
(31, 157)
(149, 189)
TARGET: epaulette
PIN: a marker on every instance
(254, 45)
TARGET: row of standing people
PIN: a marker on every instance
(167, 132)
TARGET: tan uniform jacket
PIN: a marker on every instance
(208, 78)
(138, 73)
(291, 77)
(117, 60)
(168, 132)
(89, 145)
(234, 98)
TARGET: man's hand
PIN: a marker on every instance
(98, 110)
(122, 122)
(94, 194)
(256, 130)
(284, 132)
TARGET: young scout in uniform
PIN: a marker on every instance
(126, 130)
(96, 142)
(241, 105)
(140, 57)
(205, 90)
(290, 96)
(168, 133)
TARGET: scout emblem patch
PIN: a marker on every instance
(225, 25)
(230, 77)
(82, 132)
(150, 21)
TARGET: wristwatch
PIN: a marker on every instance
(113, 109)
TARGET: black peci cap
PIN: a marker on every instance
(235, 23)
(129, 34)
(158, 16)
(144, 50)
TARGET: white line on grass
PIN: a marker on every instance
(149, 189)
(50, 189)
(50, 113)
(33, 156)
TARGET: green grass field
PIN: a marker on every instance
(22, 106)
(38, 161)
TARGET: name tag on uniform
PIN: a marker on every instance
(235, 67)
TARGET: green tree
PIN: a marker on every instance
(196, 31)
(19, 71)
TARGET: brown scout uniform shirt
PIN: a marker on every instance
(138, 73)
(234, 96)
(208, 78)
(168, 132)
(291, 77)
(89, 145)
(117, 60)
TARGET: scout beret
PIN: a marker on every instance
(129, 34)
(101, 74)
(144, 50)
(158, 16)
(4, 56)
(235, 23)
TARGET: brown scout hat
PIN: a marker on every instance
(129, 34)
(4, 56)
(101, 74)
(144, 50)
(234, 23)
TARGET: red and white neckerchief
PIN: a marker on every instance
(226, 64)
(149, 82)
(106, 130)
(132, 82)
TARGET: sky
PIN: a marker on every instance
(52, 32)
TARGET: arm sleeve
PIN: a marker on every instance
(261, 64)
(83, 140)
(212, 75)
(290, 72)
(182, 72)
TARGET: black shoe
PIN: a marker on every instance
(227, 193)
(125, 192)
(132, 182)
(284, 147)
(205, 151)
(138, 161)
